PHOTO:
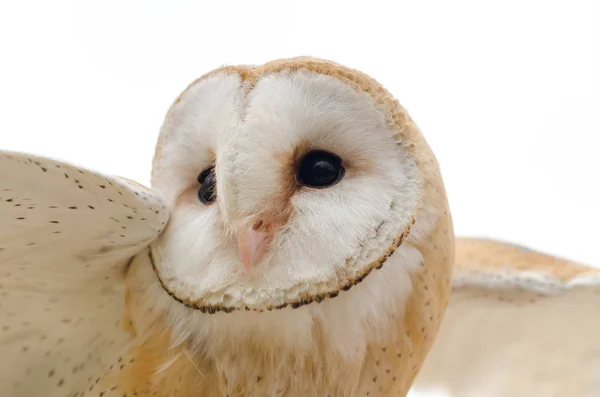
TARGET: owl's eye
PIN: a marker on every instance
(320, 168)
(207, 193)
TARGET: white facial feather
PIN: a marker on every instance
(331, 236)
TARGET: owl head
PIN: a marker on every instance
(290, 184)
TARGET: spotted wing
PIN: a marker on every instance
(66, 236)
(519, 323)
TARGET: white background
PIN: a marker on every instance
(506, 92)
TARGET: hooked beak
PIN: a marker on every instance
(252, 245)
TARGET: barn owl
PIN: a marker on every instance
(296, 241)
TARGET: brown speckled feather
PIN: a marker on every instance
(67, 235)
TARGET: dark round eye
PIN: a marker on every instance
(208, 191)
(320, 168)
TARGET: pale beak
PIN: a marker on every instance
(252, 245)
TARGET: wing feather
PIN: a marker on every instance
(67, 234)
(519, 323)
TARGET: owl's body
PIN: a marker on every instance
(358, 333)
(297, 241)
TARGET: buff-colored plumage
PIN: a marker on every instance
(519, 323)
(98, 299)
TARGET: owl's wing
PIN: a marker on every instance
(519, 323)
(66, 237)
